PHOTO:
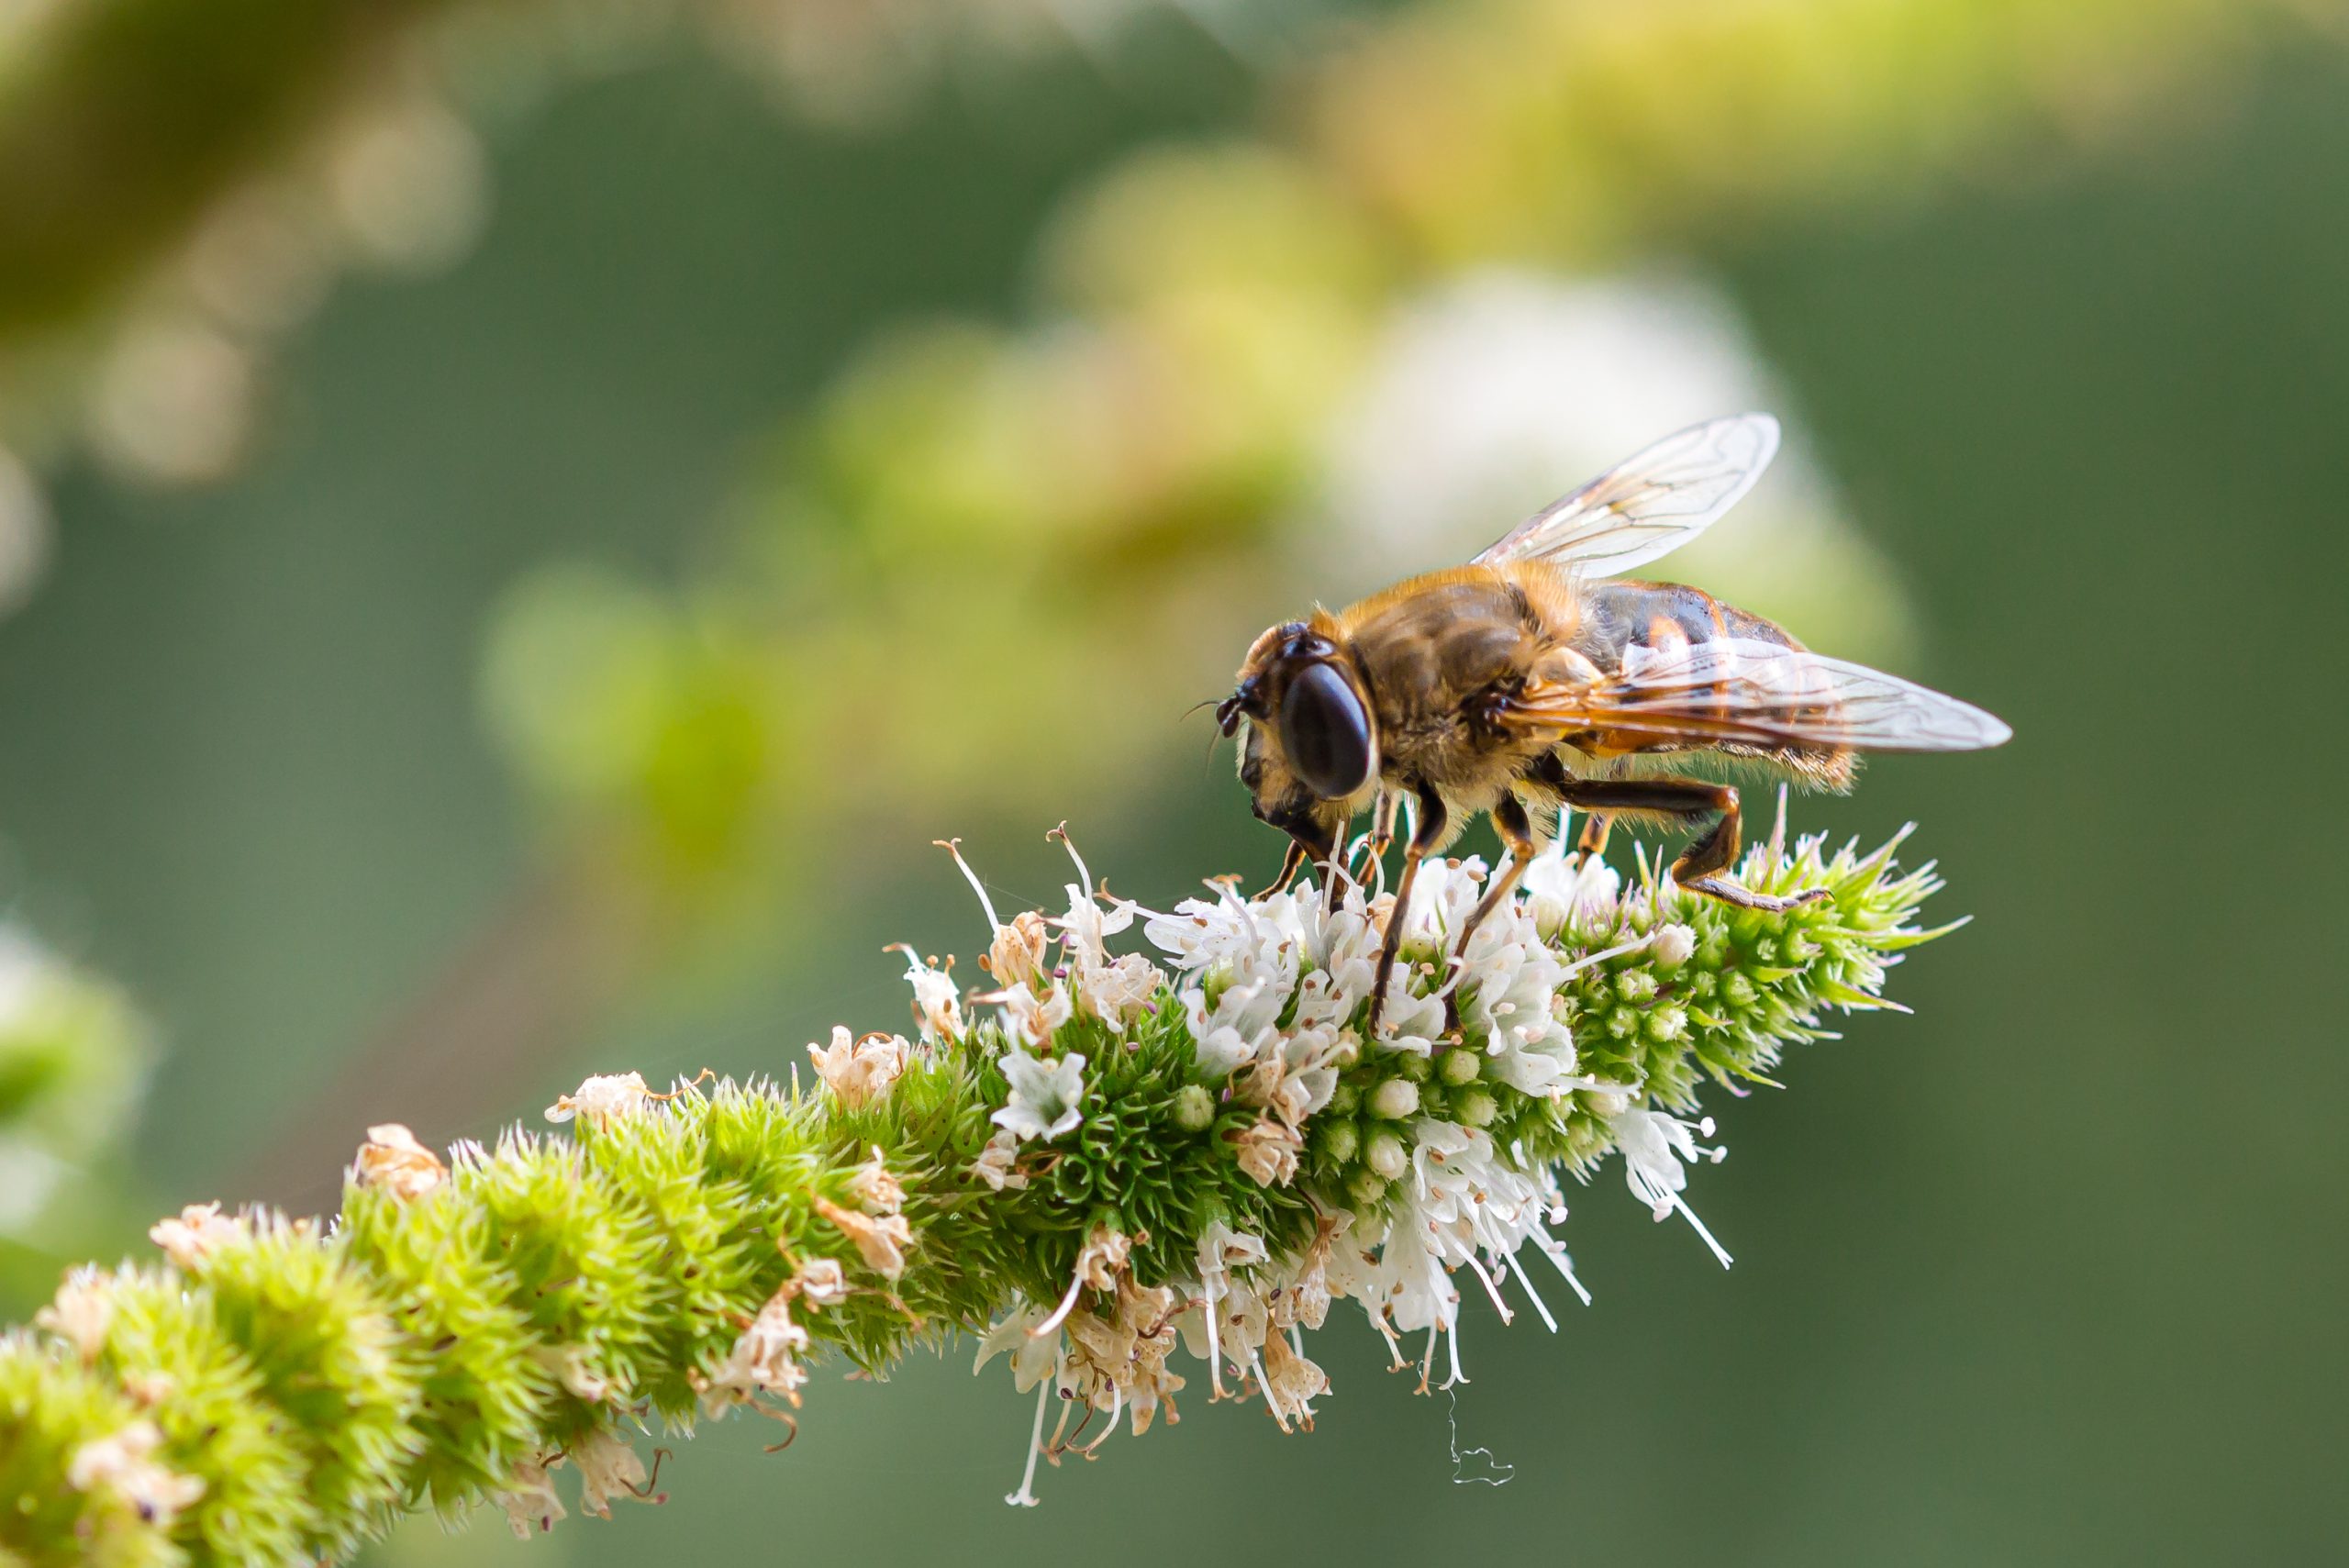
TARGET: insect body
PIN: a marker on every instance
(1526, 680)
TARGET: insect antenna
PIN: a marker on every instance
(1206, 759)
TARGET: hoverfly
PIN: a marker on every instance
(1529, 680)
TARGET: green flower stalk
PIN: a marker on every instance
(1098, 1164)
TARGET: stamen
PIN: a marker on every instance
(1634, 945)
(1558, 1260)
(1026, 1497)
(1532, 1295)
(1451, 1346)
(1084, 877)
(1257, 1366)
(1214, 1351)
(954, 846)
(1492, 1290)
(1060, 1313)
(1690, 1216)
(1117, 1408)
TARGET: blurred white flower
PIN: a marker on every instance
(602, 1098)
(196, 1233)
(172, 402)
(393, 1160)
(123, 1464)
(80, 1312)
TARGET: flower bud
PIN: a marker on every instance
(1341, 1141)
(1674, 945)
(1478, 1108)
(1395, 1099)
(1385, 1156)
(1457, 1067)
(1194, 1109)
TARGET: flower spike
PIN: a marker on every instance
(1124, 1166)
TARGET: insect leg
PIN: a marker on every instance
(1325, 855)
(1700, 865)
(1517, 832)
(1592, 839)
(1293, 859)
(1425, 836)
(1551, 774)
(1382, 832)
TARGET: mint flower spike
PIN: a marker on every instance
(1114, 1165)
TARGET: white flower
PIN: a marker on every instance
(1119, 992)
(1088, 926)
(1098, 1264)
(1556, 892)
(1117, 1354)
(1221, 1250)
(199, 1231)
(1200, 934)
(874, 1188)
(1225, 1037)
(1102, 1256)
(998, 1164)
(1291, 1381)
(81, 1313)
(821, 1282)
(529, 1495)
(1015, 957)
(574, 1367)
(1032, 1355)
(1443, 897)
(1674, 945)
(880, 1239)
(1296, 1072)
(1508, 980)
(123, 1464)
(608, 1470)
(764, 1358)
(393, 1160)
(1047, 1096)
(937, 1002)
(859, 1071)
(602, 1099)
(1657, 1149)
(1268, 1152)
(1032, 1018)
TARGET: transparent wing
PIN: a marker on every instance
(1760, 694)
(1650, 505)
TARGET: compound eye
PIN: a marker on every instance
(1326, 733)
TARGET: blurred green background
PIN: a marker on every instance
(452, 739)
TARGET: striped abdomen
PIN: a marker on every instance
(1668, 618)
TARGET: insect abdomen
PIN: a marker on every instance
(1666, 617)
(1664, 614)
